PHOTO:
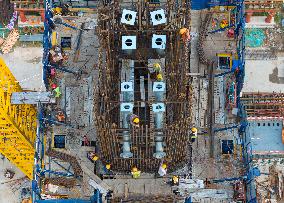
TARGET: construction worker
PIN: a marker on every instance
(27, 200)
(157, 67)
(57, 92)
(156, 73)
(92, 156)
(53, 86)
(162, 169)
(185, 34)
(175, 180)
(108, 165)
(86, 141)
(60, 116)
(134, 120)
(57, 11)
(95, 158)
(159, 77)
(193, 134)
(135, 173)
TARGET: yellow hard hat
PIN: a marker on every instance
(58, 10)
(194, 130)
(136, 120)
(164, 166)
(95, 158)
(134, 169)
(159, 77)
(156, 65)
(175, 179)
(107, 166)
(182, 31)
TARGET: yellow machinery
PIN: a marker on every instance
(17, 124)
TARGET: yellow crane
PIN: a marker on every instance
(17, 124)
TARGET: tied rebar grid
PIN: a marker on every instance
(178, 95)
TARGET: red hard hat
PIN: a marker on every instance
(53, 86)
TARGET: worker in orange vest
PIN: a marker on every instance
(185, 34)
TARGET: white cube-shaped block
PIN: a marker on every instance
(126, 86)
(128, 42)
(158, 17)
(128, 17)
(159, 41)
(159, 107)
(126, 107)
(159, 87)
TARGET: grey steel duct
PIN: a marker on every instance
(127, 91)
(159, 89)
(126, 110)
(159, 110)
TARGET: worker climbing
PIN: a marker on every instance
(135, 172)
(193, 134)
(134, 120)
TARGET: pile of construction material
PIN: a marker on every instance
(68, 158)
(10, 41)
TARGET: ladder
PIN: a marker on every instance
(17, 124)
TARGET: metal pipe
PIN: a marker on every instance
(159, 124)
(126, 153)
(159, 91)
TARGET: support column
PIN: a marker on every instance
(22, 16)
(248, 16)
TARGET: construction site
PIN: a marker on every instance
(105, 101)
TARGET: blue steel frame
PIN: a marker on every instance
(40, 169)
(243, 132)
(47, 41)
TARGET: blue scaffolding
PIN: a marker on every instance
(48, 23)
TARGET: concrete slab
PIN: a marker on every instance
(26, 65)
(263, 75)
(9, 188)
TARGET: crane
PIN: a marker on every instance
(17, 126)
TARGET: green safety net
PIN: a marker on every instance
(255, 37)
